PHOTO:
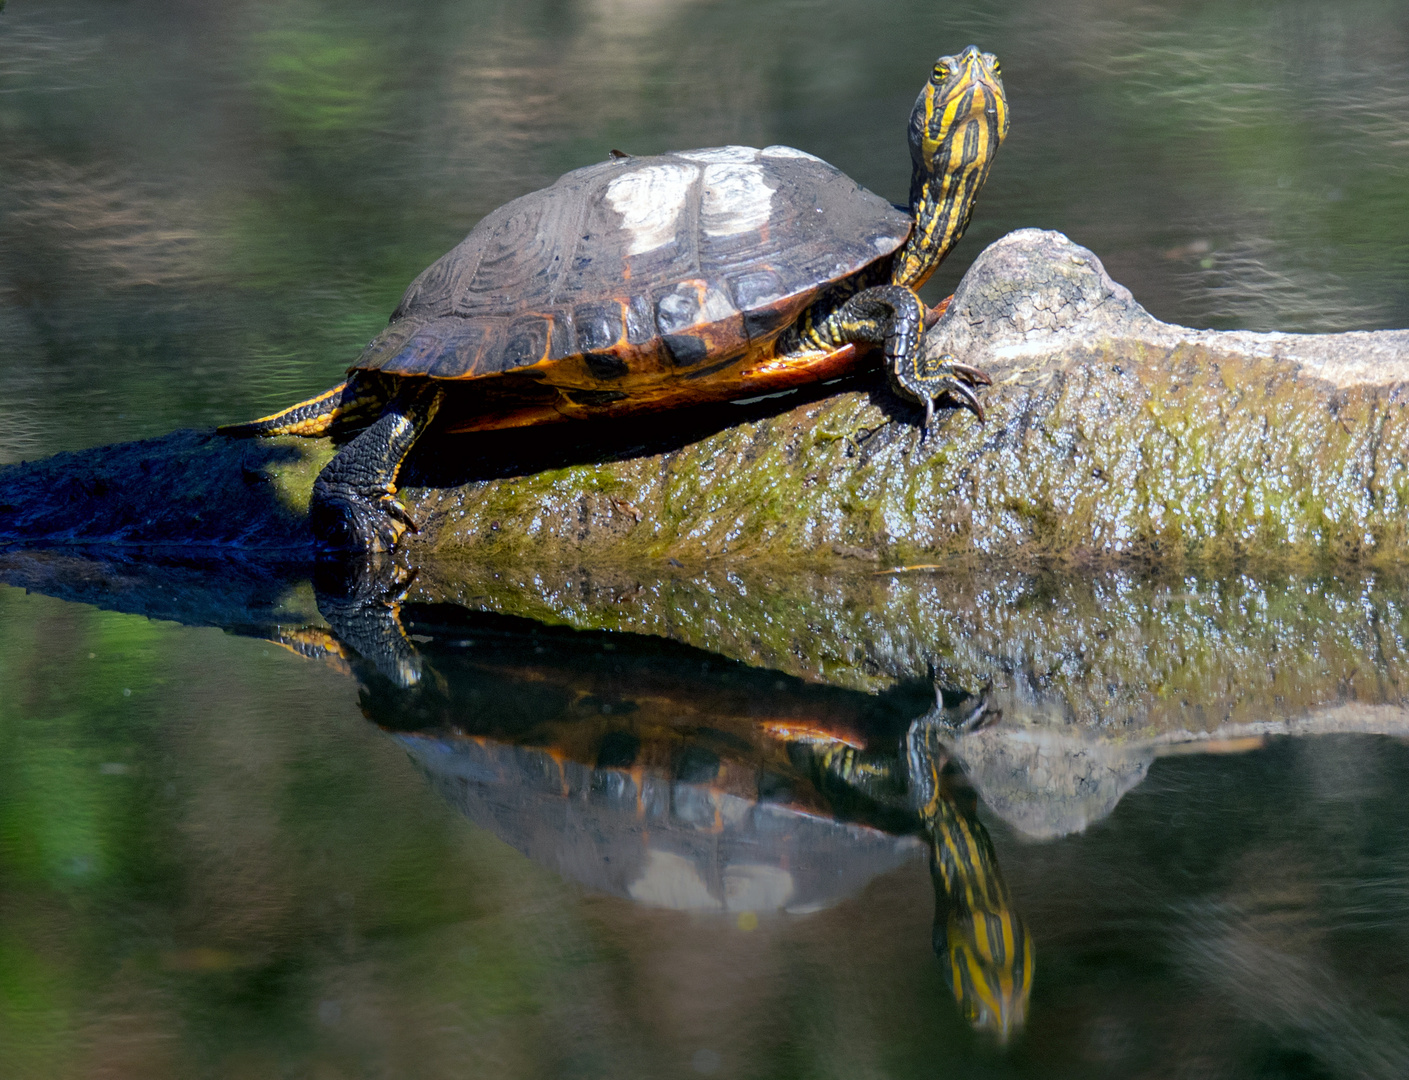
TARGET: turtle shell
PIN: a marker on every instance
(638, 269)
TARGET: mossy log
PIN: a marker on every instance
(1110, 436)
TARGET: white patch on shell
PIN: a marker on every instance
(649, 201)
(672, 881)
(691, 303)
(720, 153)
(753, 887)
(789, 152)
(737, 198)
(716, 307)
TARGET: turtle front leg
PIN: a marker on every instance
(354, 506)
(894, 316)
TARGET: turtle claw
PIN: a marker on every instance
(958, 392)
(395, 509)
(971, 375)
(941, 377)
(962, 393)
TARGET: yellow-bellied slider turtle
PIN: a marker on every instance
(645, 283)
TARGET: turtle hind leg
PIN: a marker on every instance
(894, 316)
(354, 507)
(347, 404)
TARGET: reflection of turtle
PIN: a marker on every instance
(648, 283)
(679, 778)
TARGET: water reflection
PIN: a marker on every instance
(680, 779)
(220, 853)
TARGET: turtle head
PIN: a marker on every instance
(990, 960)
(959, 121)
(977, 931)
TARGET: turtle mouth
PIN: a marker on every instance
(976, 88)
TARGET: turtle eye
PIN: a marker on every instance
(941, 73)
(997, 68)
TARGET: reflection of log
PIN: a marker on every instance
(1128, 654)
(1095, 675)
(1048, 781)
(1109, 435)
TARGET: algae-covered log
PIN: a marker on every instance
(1110, 436)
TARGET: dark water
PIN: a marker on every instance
(229, 847)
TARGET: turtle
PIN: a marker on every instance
(646, 283)
(673, 776)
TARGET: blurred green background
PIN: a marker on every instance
(206, 210)
(211, 865)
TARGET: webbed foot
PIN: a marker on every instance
(354, 507)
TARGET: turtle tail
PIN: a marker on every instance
(348, 404)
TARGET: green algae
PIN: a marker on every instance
(1187, 454)
(292, 478)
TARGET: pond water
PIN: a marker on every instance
(642, 822)
(1172, 808)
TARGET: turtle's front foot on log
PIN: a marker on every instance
(354, 508)
(347, 519)
(925, 379)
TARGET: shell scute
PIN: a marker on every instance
(685, 350)
(600, 324)
(640, 320)
(526, 341)
(654, 263)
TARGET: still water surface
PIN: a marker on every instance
(229, 847)
(241, 850)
